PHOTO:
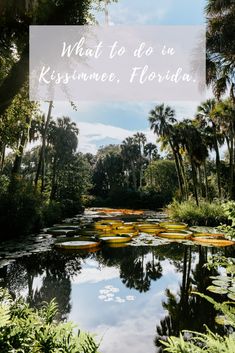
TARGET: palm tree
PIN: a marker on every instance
(41, 162)
(221, 47)
(141, 140)
(63, 139)
(130, 154)
(211, 128)
(225, 114)
(161, 120)
(192, 143)
(149, 150)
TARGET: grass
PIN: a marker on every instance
(206, 214)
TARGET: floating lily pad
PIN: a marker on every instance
(217, 290)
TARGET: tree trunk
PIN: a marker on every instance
(200, 180)
(41, 162)
(134, 176)
(18, 158)
(53, 181)
(3, 157)
(231, 186)
(38, 168)
(206, 180)
(185, 183)
(177, 169)
(218, 169)
(151, 172)
(194, 174)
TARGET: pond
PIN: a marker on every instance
(130, 297)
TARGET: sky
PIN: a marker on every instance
(103, 123)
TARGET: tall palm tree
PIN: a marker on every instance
(149, 150)
(161, 120)
(221, 46)
(197, 152)
(211, 128)
(225, 114)
(63, 139)
(141, 140)
(41, 162)
(130, 154)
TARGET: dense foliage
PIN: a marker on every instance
(23, 329)
(190, 341)
(206, 214)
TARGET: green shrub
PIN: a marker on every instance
(20, 209)
(27, 330)
(51, 213)
(206, 214)
(121, 197)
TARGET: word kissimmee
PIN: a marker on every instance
(139, 74)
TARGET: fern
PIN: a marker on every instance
(27, 330)
(49, 311)
(200, 343)
(4, 315)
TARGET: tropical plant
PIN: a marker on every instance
(191, 341)
(23, 329)
(206, 214)
(211, 131)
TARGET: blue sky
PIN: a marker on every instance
(120, 316)
(104, 123)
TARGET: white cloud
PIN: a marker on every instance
(122, 13)
(95, 275)
(94, 135)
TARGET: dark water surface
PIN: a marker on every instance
(130, 297)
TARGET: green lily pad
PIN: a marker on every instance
(217, 290)
(231, 289)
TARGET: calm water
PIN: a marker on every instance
(130, 297)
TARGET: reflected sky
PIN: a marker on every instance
(126, 321)
(119, 294)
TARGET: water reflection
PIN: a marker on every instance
(185, 310)
(134, 296)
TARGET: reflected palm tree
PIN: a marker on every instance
(186, 311)
(136, 270)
